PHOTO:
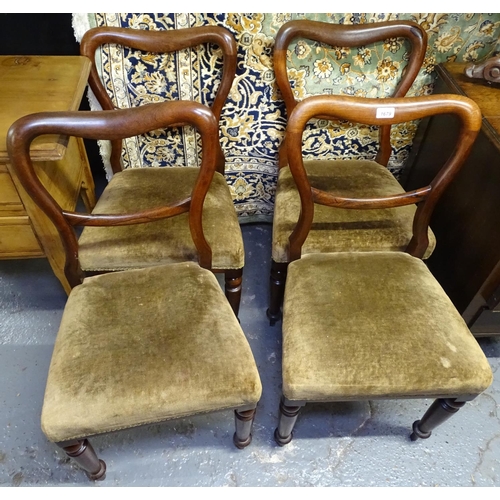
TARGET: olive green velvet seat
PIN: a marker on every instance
(134, 349)
(164, 241)
(374, 325)
(340, 230)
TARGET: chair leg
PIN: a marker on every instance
(84, 455)
(288, 416)
(277, 290)
(244, 421)
(233, 279)
(439, 411)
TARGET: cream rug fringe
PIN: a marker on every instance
(81, 23)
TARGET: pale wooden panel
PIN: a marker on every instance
(63, 178)
(8, 193)
(14, 220)
(19, 241)
(30, 84)
(36, 84)
(495, 123)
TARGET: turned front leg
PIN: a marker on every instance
(439, 411)
(232, 281)
(244, 421)
(276, 290)
(288, 416)
(84, 455)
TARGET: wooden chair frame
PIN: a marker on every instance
(344, 36)
(115, 125)
(161, 42)
(365, 111)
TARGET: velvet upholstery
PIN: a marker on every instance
(167, 240)
(338, 230)
(142, 346)
(373, 325)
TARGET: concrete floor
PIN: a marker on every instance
(352, 444)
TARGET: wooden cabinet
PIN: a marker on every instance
(29, 85)
(466, 220)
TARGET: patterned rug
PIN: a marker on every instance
(254, 119)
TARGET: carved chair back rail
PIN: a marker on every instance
(366, 111)
(117, 125)
(349, 36)
(161, 42)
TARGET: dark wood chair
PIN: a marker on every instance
(166, 241)
(341, 230)
(146, 345)
(368, 325)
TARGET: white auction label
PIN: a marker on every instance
(385, 112)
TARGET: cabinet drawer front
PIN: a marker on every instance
(9, 199)
(18, 240)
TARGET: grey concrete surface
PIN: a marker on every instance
(350, 444)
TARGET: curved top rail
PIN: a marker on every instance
(115, 125)
(379, 112)
(350, 36)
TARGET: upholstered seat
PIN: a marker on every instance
(374, 324)
(168, 353)
(167, 240)
(340, 230)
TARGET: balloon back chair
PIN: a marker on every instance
(169, 240)
(138, 346)
(341, 230)
(368, 325)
